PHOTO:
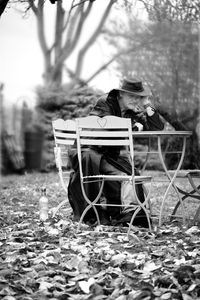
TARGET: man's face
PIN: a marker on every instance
(130, 101)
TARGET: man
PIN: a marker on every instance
(131, 100)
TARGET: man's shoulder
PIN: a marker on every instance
(101, 108)
(102, 98)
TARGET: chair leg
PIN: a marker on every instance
(64, 186)
(59, 206)
(90, 204)
(197, 214)
(133, 217)
(186, 195)
(149, 201)
(142, 206)
(85, 212)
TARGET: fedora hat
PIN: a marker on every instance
(134, 87)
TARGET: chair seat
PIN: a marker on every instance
(118, 178)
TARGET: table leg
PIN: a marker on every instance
(171, 179)
(147, 156)
(141, 205)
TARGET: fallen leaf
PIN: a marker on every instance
(118, 259)
(85, 285)
(192, 230)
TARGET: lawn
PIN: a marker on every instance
(51, 261)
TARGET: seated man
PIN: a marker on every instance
(131, 100)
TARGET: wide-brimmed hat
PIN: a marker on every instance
(134, 87)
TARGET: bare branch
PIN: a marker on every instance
(68, 43)
(71, 43)
(41, 35)
(93, 37)
(71, 8)
(83, 1)
(40, 19)
(33, 6)
(83, 17)
(59, 26)
(104, 66)
(68, 16)
(117, 55)
(73, 76)
(186, 11)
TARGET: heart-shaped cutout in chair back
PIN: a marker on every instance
(102, 122)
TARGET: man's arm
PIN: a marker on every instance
(153, 120)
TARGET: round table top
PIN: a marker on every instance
(180, 133)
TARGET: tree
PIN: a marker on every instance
(68, 28)
(188, 11)
(182, 10)
(70, 20)
(165, 55)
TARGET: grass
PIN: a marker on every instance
(27, 188)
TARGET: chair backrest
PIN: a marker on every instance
(65, 137)
(105, 131)
(64, 132)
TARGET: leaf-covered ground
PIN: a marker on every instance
(52, 261)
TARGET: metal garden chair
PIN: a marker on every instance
(65, 136)
(108, 131)
(191, 176)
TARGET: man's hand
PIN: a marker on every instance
(138, 127)
(148, 106)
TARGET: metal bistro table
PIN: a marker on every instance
(159, 135)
